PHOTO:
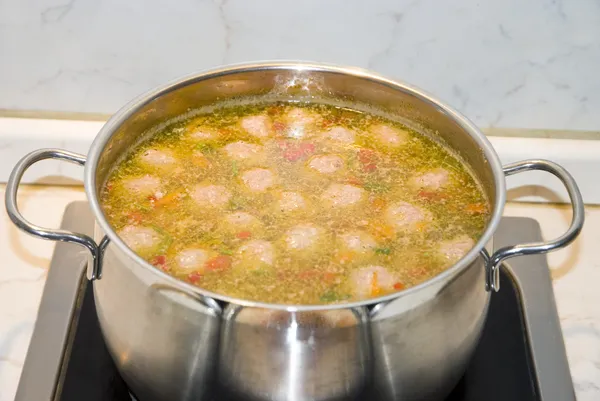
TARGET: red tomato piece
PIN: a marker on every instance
(293, 152)
(160, 261)
(292, 155)
(398, 286)
(194, 277)
(218, 263)
(368, 159)
(244, 235)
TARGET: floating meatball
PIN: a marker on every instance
(243, 151)
(144, 185)
(290, 201)
(302, 236)
(258, 179)
(326, 164)
(158, 158)
(456, 248)
(403, 215)
(258, 126)
(340, 195)
(389, 136)
(139, 238)
(211, 195)
(372, 281)
(192, 259)
(257, 252)
(357, 241)
(433, 180)
(341, 135)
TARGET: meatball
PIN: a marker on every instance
(456, 248)
(434, 179)
(243, 150)
(139, 238)
(258, 179)
(291, 201)
(326, 164)
(389, 136)
(403, 215)
(192, 259)
(357, 241)
(258, 126)
(372, 281)
(241, 219)
(144, 185)
(158, 158)
(341, 195)
(211, 195)
(257, 251)
(302, 236)
(341, 135)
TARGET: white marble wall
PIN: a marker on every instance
(509, 63)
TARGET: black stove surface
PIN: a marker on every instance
(521, 354)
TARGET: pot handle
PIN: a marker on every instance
(17, 218)
(493, 271)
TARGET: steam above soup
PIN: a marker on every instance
(295, 204)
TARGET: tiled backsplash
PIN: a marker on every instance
(511, 63)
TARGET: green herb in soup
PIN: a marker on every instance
(295, 204)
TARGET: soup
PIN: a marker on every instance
(295, 203)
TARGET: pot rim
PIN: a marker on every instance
(127, 111)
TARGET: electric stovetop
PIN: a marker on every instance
(521, 355)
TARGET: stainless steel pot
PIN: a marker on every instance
(173, 341)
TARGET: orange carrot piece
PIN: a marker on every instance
(476, 208)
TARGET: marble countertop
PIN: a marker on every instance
(510, 63)
(575, 271)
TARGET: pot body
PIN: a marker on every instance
(169, 345)
(171, 340)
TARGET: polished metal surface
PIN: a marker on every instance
(323, 355)
(493, 278)
(438, 321)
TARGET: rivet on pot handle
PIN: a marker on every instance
(493, 270)
(15, 215)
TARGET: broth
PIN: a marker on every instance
(295, 203)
